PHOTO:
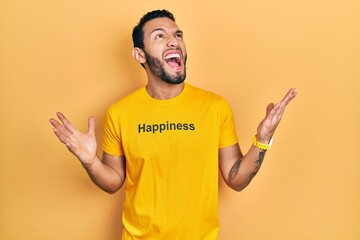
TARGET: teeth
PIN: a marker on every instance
(172, 55)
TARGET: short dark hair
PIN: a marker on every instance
(138, 33)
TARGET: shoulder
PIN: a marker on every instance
(200, 92)
(128, 100)
(206, 95)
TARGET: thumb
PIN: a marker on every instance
(91, 125)
(269, 108)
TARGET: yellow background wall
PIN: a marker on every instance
(74, 56)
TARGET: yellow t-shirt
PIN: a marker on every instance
(171, 149)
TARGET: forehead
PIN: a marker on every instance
(162, 23)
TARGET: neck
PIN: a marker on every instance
(162, 90)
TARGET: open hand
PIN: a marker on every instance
(273, 116)
(82, 145)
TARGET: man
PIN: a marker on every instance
(167, 141)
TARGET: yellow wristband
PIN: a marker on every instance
(262, 146)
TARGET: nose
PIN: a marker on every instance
(173, 42)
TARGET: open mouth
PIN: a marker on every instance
(173, 59)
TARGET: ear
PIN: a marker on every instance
(139, 55)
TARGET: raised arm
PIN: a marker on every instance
(237, 169)
(108, 174)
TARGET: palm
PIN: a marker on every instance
(82, 145)
(273, 117)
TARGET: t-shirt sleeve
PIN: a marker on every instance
(112, 143)
(228, 135)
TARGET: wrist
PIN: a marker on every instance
(263, 138)
(89, 164)
(261, 143)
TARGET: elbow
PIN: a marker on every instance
(111, 190)
(238, 187)
(113, 187)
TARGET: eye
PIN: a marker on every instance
(179, 35)
(159, 36)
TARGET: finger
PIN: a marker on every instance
(269, 107)
(289, 96)
(54, 122)
(58, 127)
(62, 136)
(61, 132)
(66, 122)
(91, 124)
(285, 101)
(273, 110)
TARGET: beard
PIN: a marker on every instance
(157, 68)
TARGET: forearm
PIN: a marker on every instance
(104, 176)
(245, 168)
(239, 170)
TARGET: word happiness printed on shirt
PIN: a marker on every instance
(159, 128)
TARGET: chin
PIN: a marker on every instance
(174, 81)
(177, 78)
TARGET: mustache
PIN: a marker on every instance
(184, 56)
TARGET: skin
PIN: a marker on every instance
(161, 37)
(237, 169)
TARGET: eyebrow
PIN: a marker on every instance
(179, 31)
(163, 30)
(157, 29)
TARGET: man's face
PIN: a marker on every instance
(165, 50)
